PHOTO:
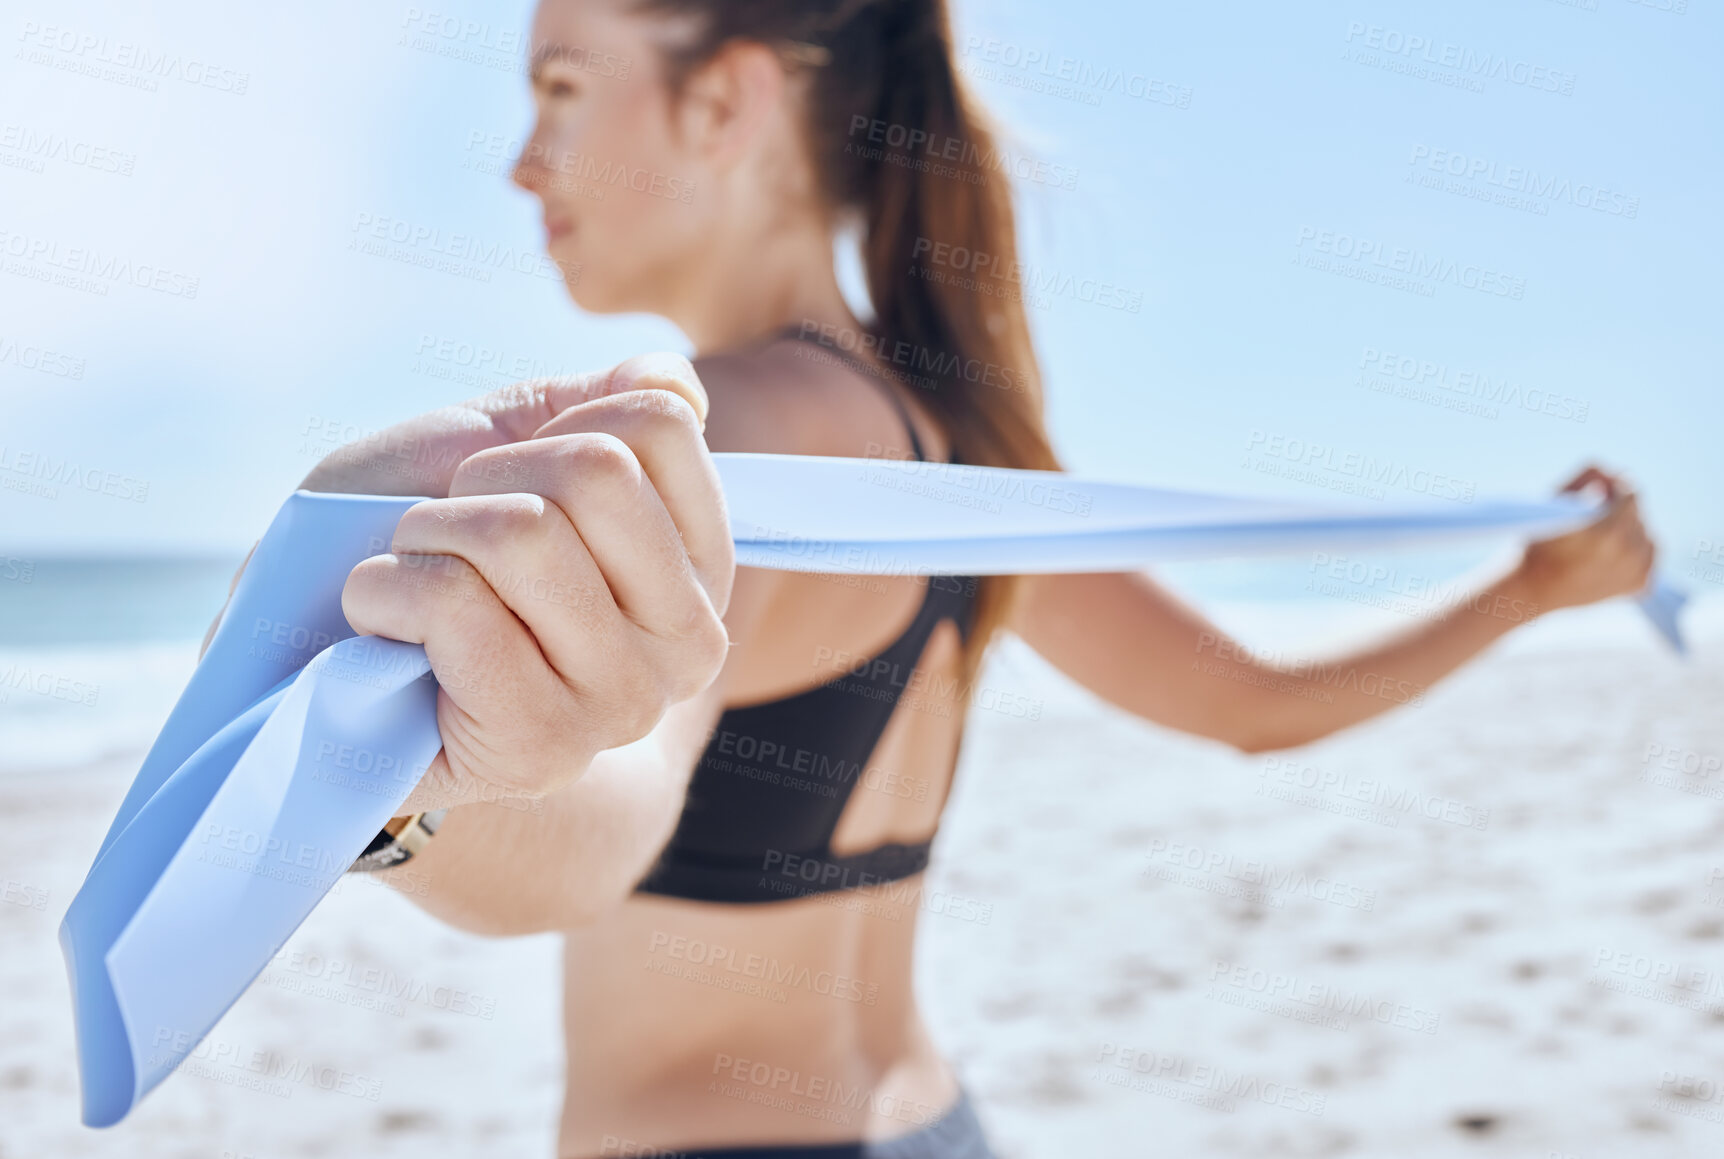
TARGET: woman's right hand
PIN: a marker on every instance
(568, 590)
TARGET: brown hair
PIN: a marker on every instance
(895, 136)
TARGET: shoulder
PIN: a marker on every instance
(798, 398)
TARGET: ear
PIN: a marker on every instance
(729, 100)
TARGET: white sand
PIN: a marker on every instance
(1492, 935)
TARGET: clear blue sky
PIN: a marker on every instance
(1303, 131)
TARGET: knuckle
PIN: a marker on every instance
(710, 649)
(695, 658)
(512, 516)
(665, 412)
(601, 459)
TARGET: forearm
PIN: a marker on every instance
(1135, 644)
(526, 865)
(1293, 701)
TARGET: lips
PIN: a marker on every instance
(557, 227)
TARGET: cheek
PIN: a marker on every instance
(635, 195)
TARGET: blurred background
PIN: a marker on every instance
(195, 307)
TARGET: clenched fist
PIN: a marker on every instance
(571, 583)
(1609, 557)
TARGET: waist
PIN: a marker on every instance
(692, 1023)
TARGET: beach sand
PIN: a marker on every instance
(1491, 923)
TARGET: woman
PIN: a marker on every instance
(731, 838)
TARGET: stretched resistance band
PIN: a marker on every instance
(295, 740)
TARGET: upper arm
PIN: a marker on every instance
(1136, 645)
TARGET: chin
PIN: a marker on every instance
(595, 287)
(594, 294)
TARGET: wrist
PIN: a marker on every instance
(1528, 585)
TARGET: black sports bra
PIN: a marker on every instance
(771, 785)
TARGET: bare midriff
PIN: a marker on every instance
(690, 1024)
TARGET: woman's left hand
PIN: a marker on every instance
(1609, 557)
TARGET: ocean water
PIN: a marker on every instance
(94, 652)
(109, 601)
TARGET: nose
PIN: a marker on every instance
(529, 172)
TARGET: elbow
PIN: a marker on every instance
(1257, 735)
(1251, 746)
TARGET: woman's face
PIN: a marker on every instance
(620, 185)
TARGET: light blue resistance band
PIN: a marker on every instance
(295, 740)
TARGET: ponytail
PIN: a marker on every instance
(941, 258)
(896, 137)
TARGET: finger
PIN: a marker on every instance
(521, 409)
(1592, 475)
(482, 655)
(528, 553)
(597, 481)
(663, 432)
